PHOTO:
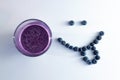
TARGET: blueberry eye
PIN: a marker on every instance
(84, 22)
(71, 23)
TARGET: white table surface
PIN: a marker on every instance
(59, 63)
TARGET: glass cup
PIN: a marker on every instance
(32, 37)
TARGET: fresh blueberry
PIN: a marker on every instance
(99, 38)
(88, 47)
(85, 58)
(83, 53)
(67, 45)
(91, 44)
(95, 52)
(71, 22)
(59, 39)
(70, 47)
(84, 48)
(63, 42)
(80, 49)
(84, 22)
(95, 41)
(88, 62)
(101, 33)
(93, 48)
(97, 57)
(75, 48)
(94, 61)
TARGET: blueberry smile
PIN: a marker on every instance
(82, 50)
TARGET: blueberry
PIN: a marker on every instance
(88, 47)
(93, 48)
(88, 62)
(80, 49)
(63, 42)
(83, 22)
(83, 53)
(67, 45)
(75, 48)
(101, 33)
(84, 48)
(99, 38)
(97, 57)
(91, 44)
(95, 41)
(95, 52)
(59, 39)
(85, 59)
(70, 47)
(94, 61)
(71, 22)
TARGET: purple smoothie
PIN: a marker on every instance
(32, 37)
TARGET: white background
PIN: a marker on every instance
(59, 63)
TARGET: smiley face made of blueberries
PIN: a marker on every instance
(82, 50)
